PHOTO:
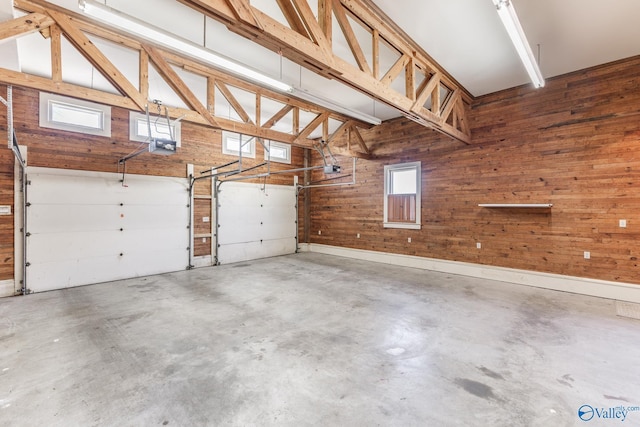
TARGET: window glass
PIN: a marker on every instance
(232, 142)
(139, 130)
(74, 115)
(402, 198)
(277, 152)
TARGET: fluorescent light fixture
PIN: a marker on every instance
(155, 35)
(327, 103)
(158, 36)
(510, 21)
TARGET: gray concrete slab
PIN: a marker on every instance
(312, 339)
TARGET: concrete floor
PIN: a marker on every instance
(311, 339)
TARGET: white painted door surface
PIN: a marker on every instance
(254, 223)
(86, 227)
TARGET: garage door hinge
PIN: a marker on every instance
(27, 204)
(27, 234)
(27, 264)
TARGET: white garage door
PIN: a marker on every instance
(255, 223)
(86, 227)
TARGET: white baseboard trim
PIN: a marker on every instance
(7, 288)
(599, 288)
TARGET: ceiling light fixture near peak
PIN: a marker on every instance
(511, 23)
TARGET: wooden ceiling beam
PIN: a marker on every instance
(233, 101)
(325, 18)
(360, 140)
(24, 25)
(43, 84)
(242, 11)
(277, 117)
(76, 28)
(56, 53)
(178, 85)
(291, 15)
(311, 127)
(82, 43)
(313, 28)
(425, 90)
(350, 36)
(306, 51)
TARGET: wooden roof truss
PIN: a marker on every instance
(430, 96)
(54, 23)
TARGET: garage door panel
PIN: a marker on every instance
(87, 244)
(151, 216)
(256, 250)
(44, 217)
(255, 222)
(74, 272)
(85, 227)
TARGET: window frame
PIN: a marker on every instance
(231, 152)
(277, 144)
(135, 116)
(388, 169)
(48, 101)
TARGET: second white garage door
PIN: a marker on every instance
(255, 221)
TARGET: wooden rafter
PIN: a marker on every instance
(344, 132)
(81, 42)
(313, 27)
(56, 53)
(395, 70)
(277, 117)
(359, 139)
(178, 85)
(24, 25)
(233, 101)
(306, 50)
(325, 13)
(242, 11)
(312, 126)
(350, 36)
(290, 14)
(426, 89)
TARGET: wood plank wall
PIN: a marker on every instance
(201, 146)
(6, 198)
(574, 143)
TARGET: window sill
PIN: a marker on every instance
(409, 226)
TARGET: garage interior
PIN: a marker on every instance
(331, 212)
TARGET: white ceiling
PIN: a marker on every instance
(466, 37)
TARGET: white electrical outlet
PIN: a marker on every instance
(204, 240)
(587, 255)
(623, 223)
(479, 245)
(319, 232)
(409, 239)
(205, 219)
(358, 236)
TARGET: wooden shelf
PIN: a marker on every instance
(516, 205)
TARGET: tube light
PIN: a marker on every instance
(327, 103)
(511, 23)
(156, 35)
(131, 25)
